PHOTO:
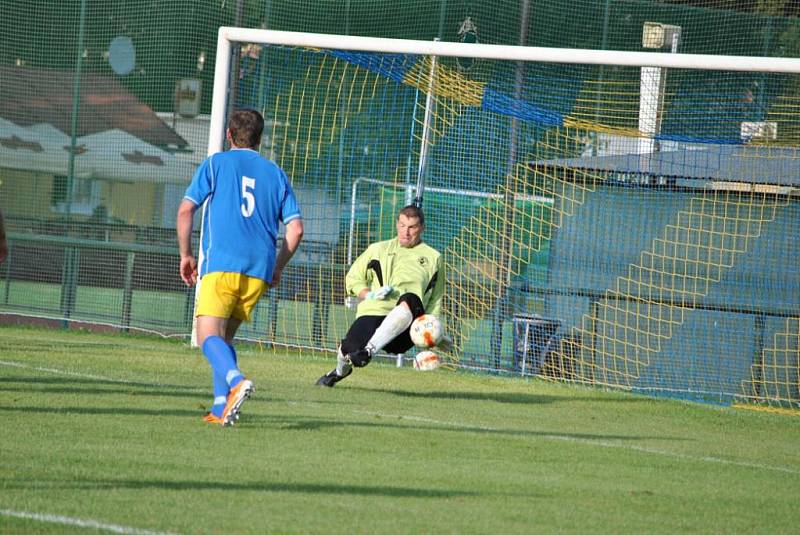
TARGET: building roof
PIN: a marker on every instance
(755, 164)
(30, 96)
(109, 155)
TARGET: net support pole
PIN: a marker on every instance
(426, 132)
(652, 85)
(69, 284)
(233, 87)
(502, 308)
(650, 95)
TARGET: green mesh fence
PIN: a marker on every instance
(567, 258)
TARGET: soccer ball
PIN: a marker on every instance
(426, 331)
(426, 361)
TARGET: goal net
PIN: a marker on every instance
(620, 219)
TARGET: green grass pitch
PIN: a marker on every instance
(103, 433)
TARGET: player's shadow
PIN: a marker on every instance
(499, 397)
(251, 486)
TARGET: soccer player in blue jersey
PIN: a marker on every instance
(245, 198)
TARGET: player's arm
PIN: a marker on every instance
(356, 281)
(291, 241)
(435, 304)
(188, 266)
(199, 189)
(437, 292)
(290, 216)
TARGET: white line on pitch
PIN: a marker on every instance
(594, 442)
(80, 522)
(86, 375)
(60, 372)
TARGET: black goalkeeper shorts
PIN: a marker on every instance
(362, 330)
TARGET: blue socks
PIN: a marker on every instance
(222, 358)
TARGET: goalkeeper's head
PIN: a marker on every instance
(410, 225)
(244, 129)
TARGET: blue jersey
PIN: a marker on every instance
(245, 197)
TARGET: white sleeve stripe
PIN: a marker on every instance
(291, 218)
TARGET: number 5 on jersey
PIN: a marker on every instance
(248, 199)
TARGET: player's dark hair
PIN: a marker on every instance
(412, 210)
(246, 127)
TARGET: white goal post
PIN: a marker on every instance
(228, 35)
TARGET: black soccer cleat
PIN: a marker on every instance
(359, 358)
(331, 378)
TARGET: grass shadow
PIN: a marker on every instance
(498, 397)
(247, 486)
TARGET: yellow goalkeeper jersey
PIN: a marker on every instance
(417, 270)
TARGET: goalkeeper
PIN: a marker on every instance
(397, 280)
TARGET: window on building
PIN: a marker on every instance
(85, 195)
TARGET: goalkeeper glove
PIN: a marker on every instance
(379, 294)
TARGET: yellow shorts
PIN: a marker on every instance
(229, 295)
